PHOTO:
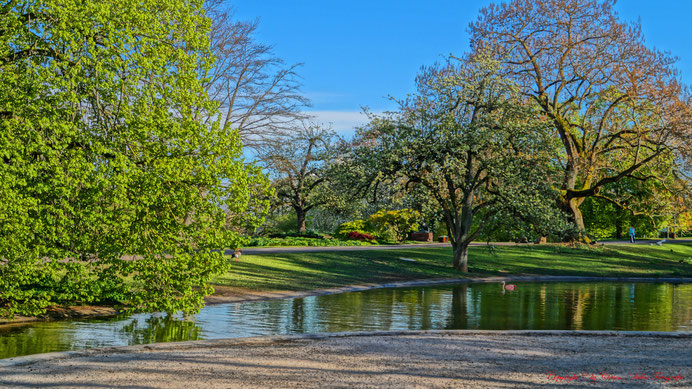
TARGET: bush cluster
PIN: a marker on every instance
(386, 226)
(355, 235)
(311, 242)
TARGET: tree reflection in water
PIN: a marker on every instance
(540, 306)
(161, 328)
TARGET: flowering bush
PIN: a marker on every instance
(355, 235)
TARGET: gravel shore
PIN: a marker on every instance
(459, 359)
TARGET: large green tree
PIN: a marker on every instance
(112, 188)
(466, 140)
(615, 104)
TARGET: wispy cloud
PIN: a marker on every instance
(343, 122)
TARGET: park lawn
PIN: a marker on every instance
(319, 270)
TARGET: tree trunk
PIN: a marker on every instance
(618, 229)
(459, 314)
(300, 213)
(571, 204)
(571, 208)
(576, 214)
(461, 257)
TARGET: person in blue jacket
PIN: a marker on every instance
(632, 234)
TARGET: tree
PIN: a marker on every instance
(463, 138)
(113, 191)
(298, 167)
(615, 104)
(257, 93)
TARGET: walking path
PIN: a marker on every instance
(647, 241)
(303, 249)
(458, 359)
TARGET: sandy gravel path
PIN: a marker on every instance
(458, 359)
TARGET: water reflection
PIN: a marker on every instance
(573, 306)
(155, 329)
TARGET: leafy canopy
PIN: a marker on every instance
(466, 140)
(616, 105)
(112, 189)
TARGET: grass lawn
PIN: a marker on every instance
(307, 271)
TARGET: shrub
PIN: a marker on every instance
(278, 223)
(388, 234)
(393, 225)
(352, 226)
(355, 235)
(278, 242)
(307, 234)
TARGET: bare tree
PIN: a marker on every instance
(298, 166)
(256, 91)
(615, 104)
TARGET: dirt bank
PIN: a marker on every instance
(459, 359)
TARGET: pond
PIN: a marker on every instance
(535, 306)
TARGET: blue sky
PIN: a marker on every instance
(357, 52)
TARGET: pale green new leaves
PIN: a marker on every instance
(103, 157)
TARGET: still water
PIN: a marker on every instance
(539, 306)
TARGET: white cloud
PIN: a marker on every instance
(343, 122)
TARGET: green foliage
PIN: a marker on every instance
(646, 205)
(393, 226)
(387, 226)
(325, 219)
(280, 222)
(387, 234)
(439, 228)
(466, 143)
(304, 242)
(604, 220)
(353, 226)
(528, 219)
(112, 190)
